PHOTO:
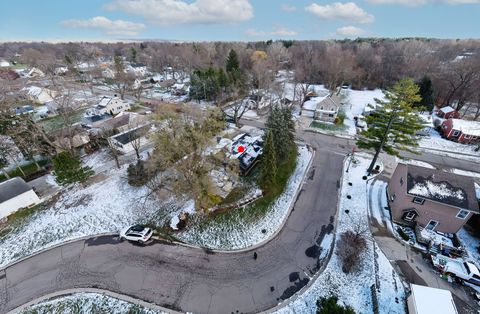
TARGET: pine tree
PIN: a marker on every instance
(331, 306)
(281, 124)
(68, 169)
(426, 93)
(394, 124)
(269, 161)
(233, 65)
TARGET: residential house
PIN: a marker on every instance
(431, 199)
(108, 73)
(14, 195)
(109, 105)
(39, 95)
(34, 72)
(248, 150)
(462, 131)
(9, 75)
(447, 113)
(126, 141)
(327, 109)
(138, 69)
(4, 63)
(426, 300)
(60, 69)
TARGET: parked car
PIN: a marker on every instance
(137, 233)
(360, 122)
(459, 268)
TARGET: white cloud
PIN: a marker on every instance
(277, 32)
(165, 12)
(416, 3)
(109, 27)
(348, 11)
(350, 31)
(288, 8)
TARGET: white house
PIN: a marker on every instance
(139, 69)
(34, 72)
(39, 95)
(4, 63)
(14, 195)
(426, 300)
(126, 141)
(111, 105)
(327, 109)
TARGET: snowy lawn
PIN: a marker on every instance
(83, 303)
(238, 229)
(374, 268)
(356, 102)
(105, 206)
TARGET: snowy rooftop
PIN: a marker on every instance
(447, 188)
(447, 109)
(428, 300)
(467, 127)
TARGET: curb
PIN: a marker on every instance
(64, 293)
(344, 136)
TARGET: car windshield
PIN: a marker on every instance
(137, 228)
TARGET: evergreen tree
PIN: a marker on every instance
(426, 93)
(68, 169)
(269, 161)
(133, 53)
(331, 306)
(233, 65)
(281, 124)
(394, 124)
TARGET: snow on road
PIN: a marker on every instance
(354, 289)
(240, 233)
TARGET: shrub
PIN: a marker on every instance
(330, 306)
(137, 174)
(402, 233)
(349, 248)
(340, 117)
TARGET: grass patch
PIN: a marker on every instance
(328, 126)
(28, 169)
(56, 122)
(17, 219)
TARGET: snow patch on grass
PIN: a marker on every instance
(87, 303)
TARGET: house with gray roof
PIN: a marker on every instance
(14, 195)
(327, 109)
(431, 199)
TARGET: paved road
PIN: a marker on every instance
(189, 279)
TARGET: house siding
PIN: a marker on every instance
(430, 210)
(23, 200)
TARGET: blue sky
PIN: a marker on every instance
(111, 20)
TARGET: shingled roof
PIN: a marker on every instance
(13, 188)
(443, 187)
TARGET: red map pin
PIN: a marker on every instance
(241, 149)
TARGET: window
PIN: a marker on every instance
(330, 115)
(462, 214)
(431, 225)
(456, 133)
(401, 180)
(392, 197)
(410, 216)
(418, 200)
(467, 137)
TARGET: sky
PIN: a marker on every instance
(235, 20)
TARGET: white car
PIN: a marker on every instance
(137, 233)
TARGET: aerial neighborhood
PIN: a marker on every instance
(336, 174)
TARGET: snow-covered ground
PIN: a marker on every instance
(84, 303)
(354, 289)
(471, 243)
(239, 233)
(106, 206)
(357, 101)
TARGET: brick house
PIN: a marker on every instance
(462, 131)
(432, 199)
(448, 113)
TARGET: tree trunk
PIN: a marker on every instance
(382, 143)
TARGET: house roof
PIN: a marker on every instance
(447, 109)
(432, 300)
(130, 135)
(329, 102)
(13, 188)
(443, 187)
(467, 127)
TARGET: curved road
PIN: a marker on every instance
(189, 279)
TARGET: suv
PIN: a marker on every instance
(137, 233)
